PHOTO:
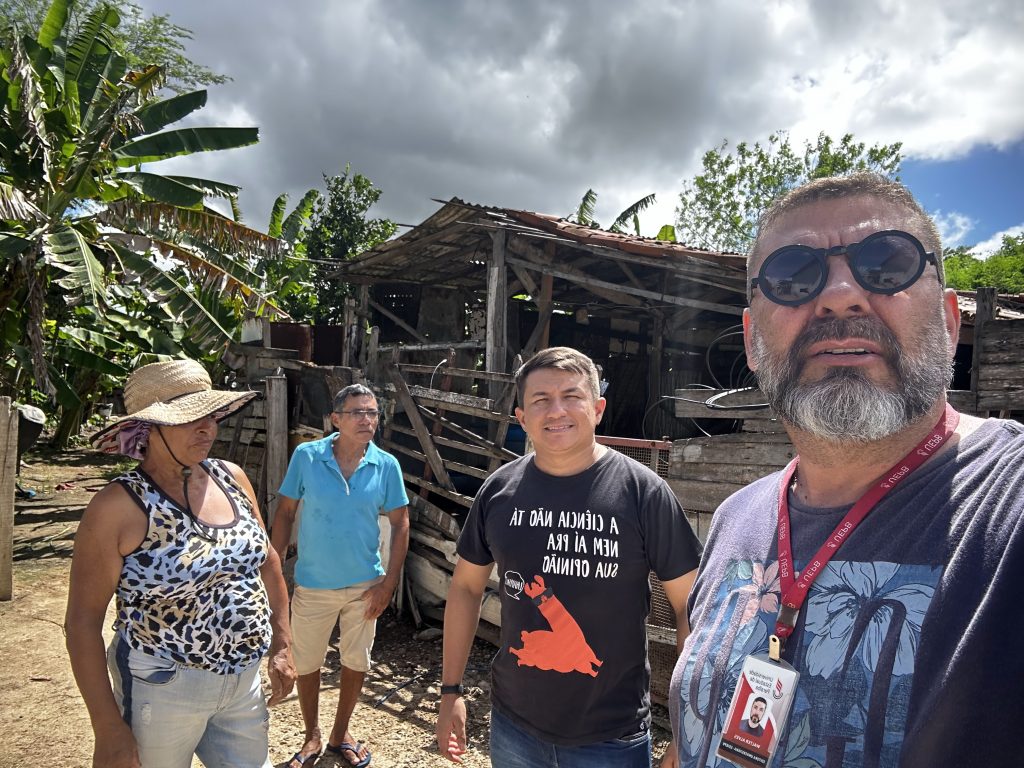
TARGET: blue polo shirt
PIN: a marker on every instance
(338, 532)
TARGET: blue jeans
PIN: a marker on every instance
(176, 711)
(512, 747)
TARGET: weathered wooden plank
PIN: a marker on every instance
(419, 482)
(277, 440)
(691, 404)
(985, 312)
(462, 432)
(497, 305)
(8, 469)
(1007, 401)
(433, 346)
(452, 401)
(737, 474)
(446, 442)
(457, 398)
(421, 509)
(458, 372)
(700, 496)
(1003, 356)
(454, 466)
(731, 449)
(412, 413)
(1002, 372)
(435, 581)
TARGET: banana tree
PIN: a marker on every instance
(630, 217)
(91, 239)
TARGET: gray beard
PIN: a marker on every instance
(845, 406)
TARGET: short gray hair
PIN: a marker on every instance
(352, 390)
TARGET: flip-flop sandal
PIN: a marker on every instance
(302, 760)
(344, 747)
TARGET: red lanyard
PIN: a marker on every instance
(795, 589)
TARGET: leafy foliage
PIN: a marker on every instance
(339, 229)
(143, 39)
(720, 207)
(104, 263)
(1003, 270)
(630, 217)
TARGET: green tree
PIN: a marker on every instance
(1003, 270)
(143, 39)
(101, 260)
(630, 217)
(339, 229)
(719, 208)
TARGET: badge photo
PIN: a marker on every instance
(758, 711)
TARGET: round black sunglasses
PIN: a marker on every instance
(885, 262)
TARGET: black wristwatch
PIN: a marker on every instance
(457, 689)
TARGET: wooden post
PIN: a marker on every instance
(416, 420)
(985, 312)
(8, 468)
(503, 405)
(372, 350)
(435, 429)
(497, 305)
(267, 343)
(348, 320)
(277, 440)
(541, 333)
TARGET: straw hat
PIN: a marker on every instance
(169, 394)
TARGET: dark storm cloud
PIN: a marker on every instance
(529, 103)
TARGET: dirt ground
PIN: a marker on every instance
(43, 721)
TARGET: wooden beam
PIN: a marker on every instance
(398, 321)
(541, 262)
(594, 285)
(458, 429)
(413, 414)
(445, 442)
(433, 346)
(466, 373)
(985, 313)
(497, 306)
(8, 469)
(545, 306)
(435, 428)
(419, 482)
(277, 440)
(526, 280)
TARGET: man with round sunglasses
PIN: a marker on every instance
(344, 482)
(886, 560)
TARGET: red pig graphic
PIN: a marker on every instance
(563, 648)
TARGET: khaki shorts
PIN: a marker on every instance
(314, 614)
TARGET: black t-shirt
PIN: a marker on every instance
(574, 554)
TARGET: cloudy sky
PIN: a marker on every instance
(528, 103)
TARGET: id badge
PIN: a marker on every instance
(758, 712)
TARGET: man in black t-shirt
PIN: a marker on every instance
(575, 530)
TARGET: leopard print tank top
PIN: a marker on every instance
(193, 599)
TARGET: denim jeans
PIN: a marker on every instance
(176, 711)
(512, 747)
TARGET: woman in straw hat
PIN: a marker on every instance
(200, 594)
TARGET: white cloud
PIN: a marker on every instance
(528, 104)
(985, 249)
(953, 227)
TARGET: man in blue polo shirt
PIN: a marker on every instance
(344, 482)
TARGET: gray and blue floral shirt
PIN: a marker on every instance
(909, 643)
